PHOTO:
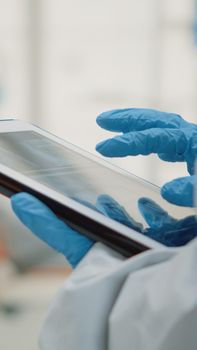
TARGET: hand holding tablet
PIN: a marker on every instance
(95, 198)
(37, 217)
(45, 225)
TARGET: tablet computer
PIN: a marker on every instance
(73, 183)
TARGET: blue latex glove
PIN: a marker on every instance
(37, 217)
(44, 224)
(146, 131)
(163, 227)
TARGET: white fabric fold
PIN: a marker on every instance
(147, 302)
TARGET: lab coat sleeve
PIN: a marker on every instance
(157, 306)
(147, 302)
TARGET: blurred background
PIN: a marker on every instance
(62, 62)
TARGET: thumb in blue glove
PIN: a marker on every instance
(38, 218)
(180, 191)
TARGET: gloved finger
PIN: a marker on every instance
(191, 165)
(180, 191)
(43, 222)
(155, 216)
(112, 209)
(168, 141)
(172, 157)
(137, 119)
(187, 222)
(176, 237)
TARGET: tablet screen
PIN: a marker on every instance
(127, 199)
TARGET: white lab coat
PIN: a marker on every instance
(148, 302)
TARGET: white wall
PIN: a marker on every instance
(63, 62)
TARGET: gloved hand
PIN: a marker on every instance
(37, 217)
(44, 224)
(164, 228)
(146, 131)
